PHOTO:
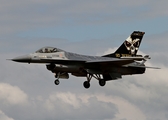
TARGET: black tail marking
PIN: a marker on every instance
(129, 47)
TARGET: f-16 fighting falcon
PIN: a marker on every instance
(124, 61)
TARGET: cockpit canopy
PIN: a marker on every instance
(48, 50)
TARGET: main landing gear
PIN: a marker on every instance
(86, 84)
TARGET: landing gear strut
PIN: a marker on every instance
(86, 84)
(102, 82)
(57, 75)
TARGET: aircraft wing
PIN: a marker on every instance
(113, 62)
(62, 61)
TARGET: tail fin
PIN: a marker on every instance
(129, 47)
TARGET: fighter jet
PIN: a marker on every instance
(124, 61)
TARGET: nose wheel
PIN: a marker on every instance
(57, 75)
(57, 82)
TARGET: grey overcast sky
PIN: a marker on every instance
(93, 27)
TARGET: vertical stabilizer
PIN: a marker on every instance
(129, 47)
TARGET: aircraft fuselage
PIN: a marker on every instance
(124, 61)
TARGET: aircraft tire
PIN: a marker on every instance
(102, 82)
(57, 82)
(86, 84)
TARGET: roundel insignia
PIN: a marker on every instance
(60, 55)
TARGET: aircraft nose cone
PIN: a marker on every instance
(24, 58)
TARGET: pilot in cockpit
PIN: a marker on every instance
(46, 50)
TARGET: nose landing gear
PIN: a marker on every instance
(57, 82)
(57, 75)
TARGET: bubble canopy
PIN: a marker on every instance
(48, 50)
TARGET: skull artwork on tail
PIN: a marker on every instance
(132, 45)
